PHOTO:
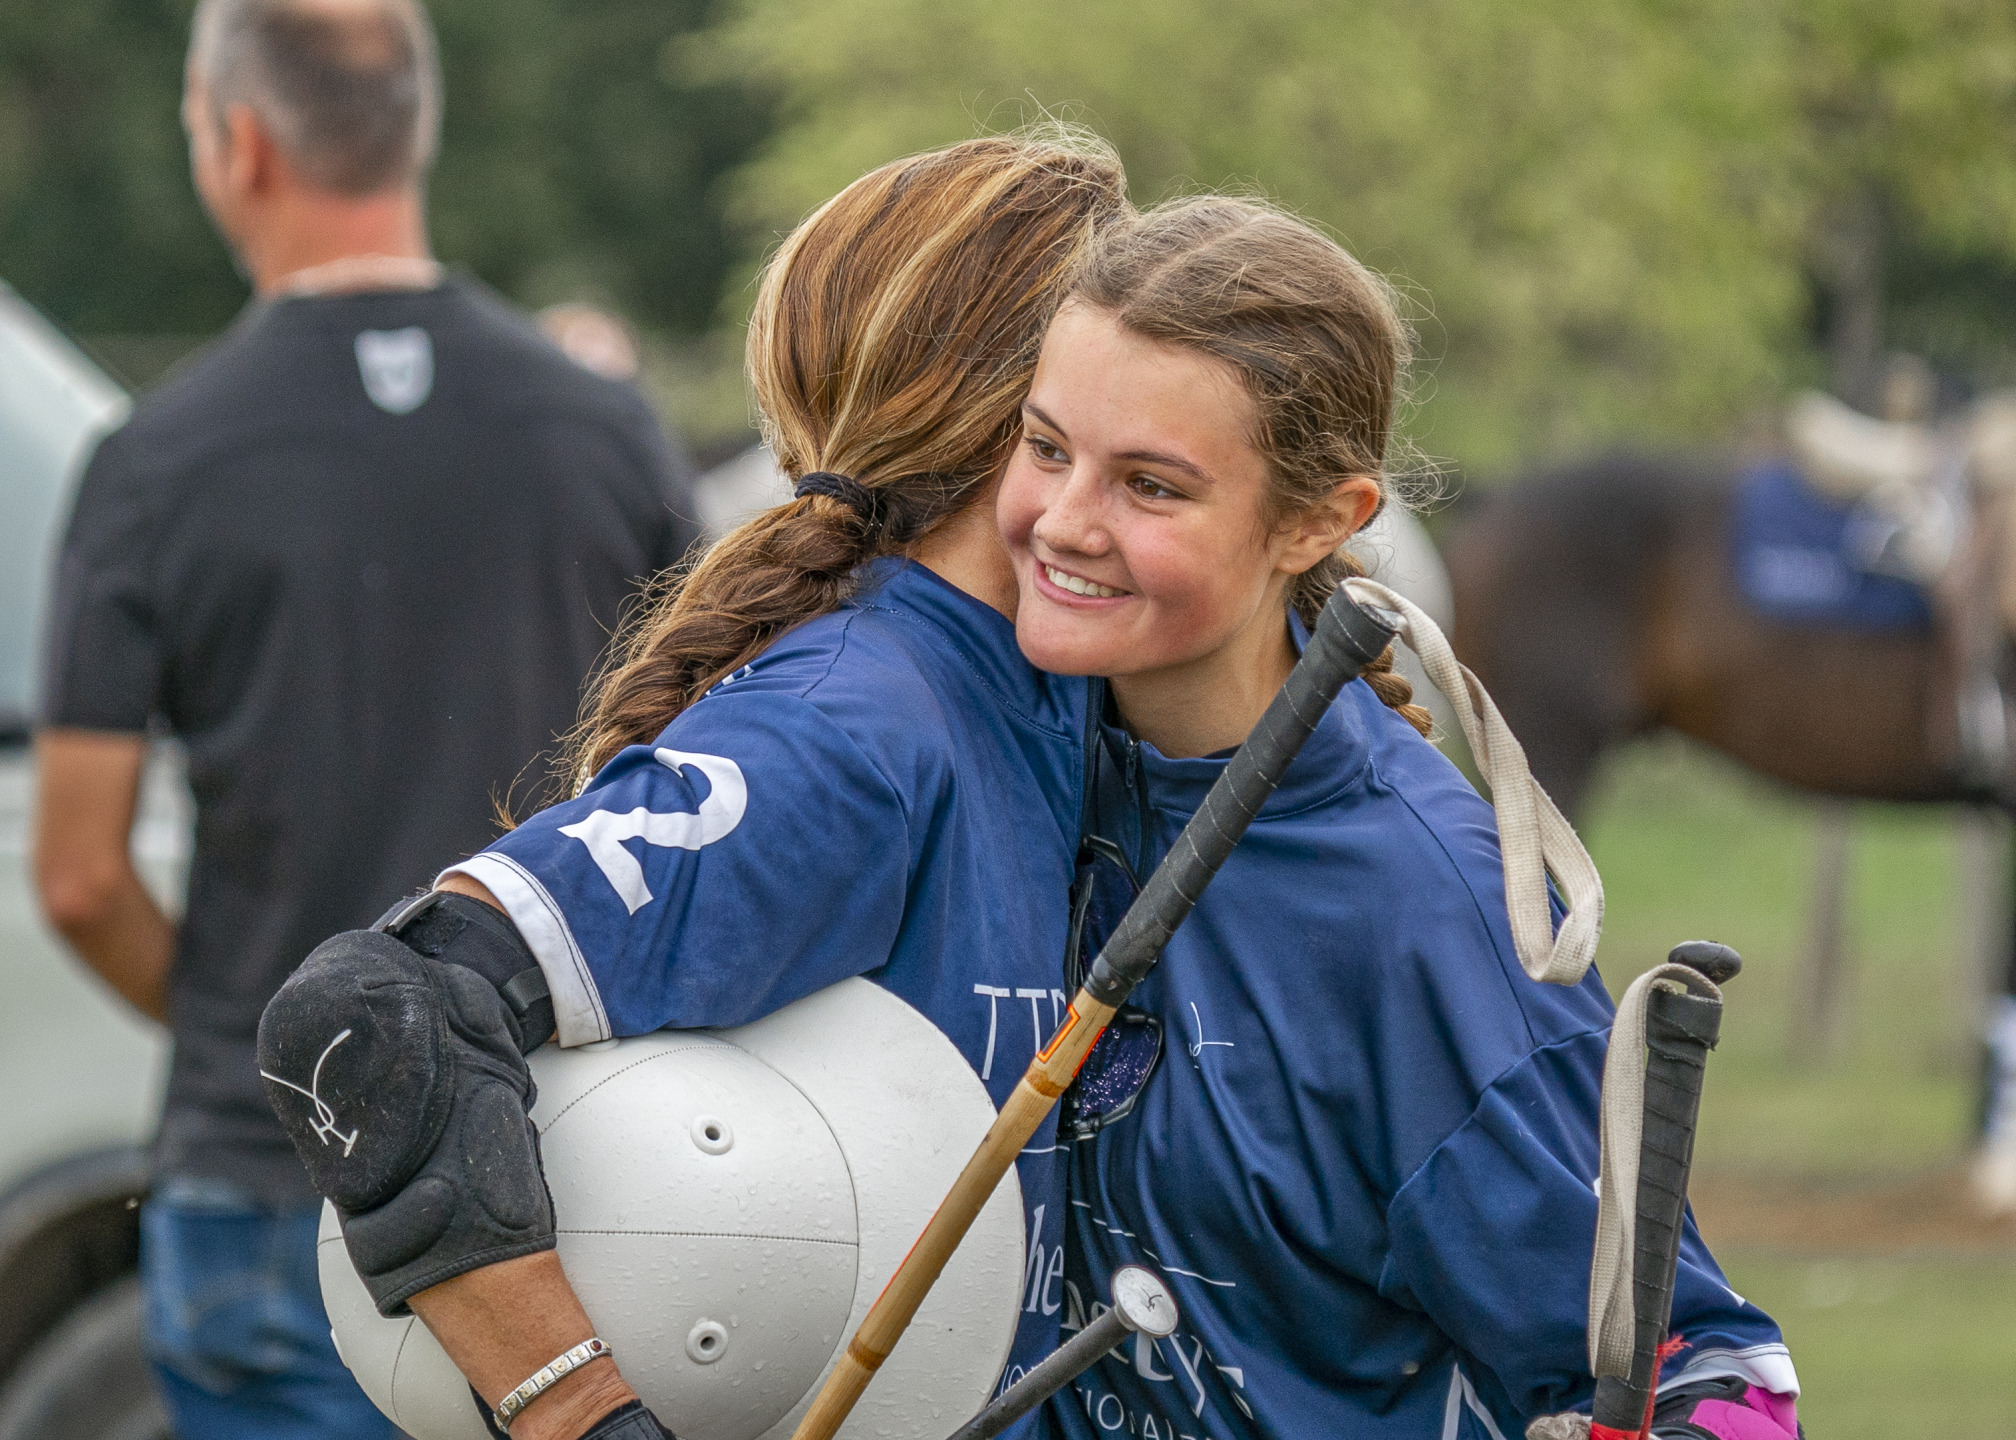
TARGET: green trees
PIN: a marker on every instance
(97, 221)
(1907, 150)
(572, 160)
(1612, 213)
(1616, 218)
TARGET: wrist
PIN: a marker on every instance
(572, 1406)
(502, 1322)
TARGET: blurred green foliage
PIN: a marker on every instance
(1612, 213)
(1615, 218)
(574, 161)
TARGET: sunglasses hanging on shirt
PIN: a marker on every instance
(1117, 1070)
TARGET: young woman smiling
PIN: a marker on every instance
(1360, 1141)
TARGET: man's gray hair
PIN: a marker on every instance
(350, 89)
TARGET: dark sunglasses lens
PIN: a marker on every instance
(1115, 1073)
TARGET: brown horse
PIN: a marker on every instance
(1598, 602)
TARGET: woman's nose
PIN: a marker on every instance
(1075, 519)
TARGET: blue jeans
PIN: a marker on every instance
(235, 1328)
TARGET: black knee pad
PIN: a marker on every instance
(400, 1081)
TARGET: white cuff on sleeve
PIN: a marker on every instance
(577, 1005)
(1768, 1367)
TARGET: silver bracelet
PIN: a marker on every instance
(545, 1378)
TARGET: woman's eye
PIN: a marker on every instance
(1044, 450)
(1149, 488)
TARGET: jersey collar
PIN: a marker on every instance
(1334, 759)
(980, 635)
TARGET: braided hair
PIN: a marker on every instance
(894, 336)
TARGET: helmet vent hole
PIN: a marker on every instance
(706, 1342)
(712, 1134)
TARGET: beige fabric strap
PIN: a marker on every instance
(1535, 839)
(1613, 1311)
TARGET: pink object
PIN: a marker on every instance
(1763, 1416)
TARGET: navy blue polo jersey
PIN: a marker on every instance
(888, 791)
(1365, 1159)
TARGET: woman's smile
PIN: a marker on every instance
(1078, 588)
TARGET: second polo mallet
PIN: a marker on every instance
(1347, 638)
(1142, 1305)
(1680, 1029)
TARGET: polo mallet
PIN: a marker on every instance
(1348, 637)
(1141, 1304)
(1673, 1014)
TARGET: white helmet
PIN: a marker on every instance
(729, 1204)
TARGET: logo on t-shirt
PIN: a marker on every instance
(397, 367)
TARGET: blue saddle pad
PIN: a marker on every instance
(1799, 559)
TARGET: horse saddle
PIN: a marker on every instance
(1804, 556)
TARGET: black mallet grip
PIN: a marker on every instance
(1347, 638)
(1680, 1030)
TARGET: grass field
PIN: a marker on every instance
(1830, 1187)
(1894, 1348)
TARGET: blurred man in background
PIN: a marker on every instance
(358, 557)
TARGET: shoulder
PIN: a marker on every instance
(520, 379)
(1429, 884)
(171, 431)
(1392, 888)
(845, 683)
(201, 405)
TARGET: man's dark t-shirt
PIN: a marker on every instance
(360, 557)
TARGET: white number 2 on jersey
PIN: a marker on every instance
(604, 831)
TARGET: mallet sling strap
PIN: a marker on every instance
(546, 1377)
(1534, 838)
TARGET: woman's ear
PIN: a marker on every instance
(1342, 513)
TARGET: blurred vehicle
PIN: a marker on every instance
(79, 1072)
(738, 490)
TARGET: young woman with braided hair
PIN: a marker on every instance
(836, 760)
(1359, 1140)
